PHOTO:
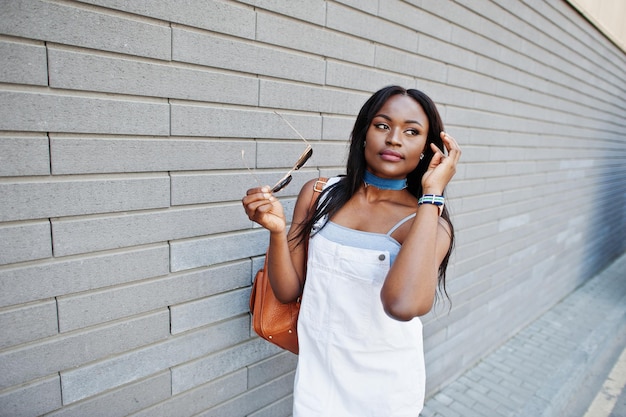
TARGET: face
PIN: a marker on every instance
(396, 137)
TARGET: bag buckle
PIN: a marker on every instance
(319, 186)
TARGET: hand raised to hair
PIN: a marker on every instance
(441, 168)
(265, 209)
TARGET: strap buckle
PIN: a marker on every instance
(319, 185)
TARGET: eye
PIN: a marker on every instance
(412, 132)
(382, 126)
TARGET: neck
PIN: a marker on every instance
(383, 183)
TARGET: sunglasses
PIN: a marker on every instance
(304, 157)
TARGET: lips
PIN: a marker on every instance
(391, 156)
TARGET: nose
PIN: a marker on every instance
(393, 138)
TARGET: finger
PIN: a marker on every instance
(256, 194)
(452, 146)
(436, 151)
(454, 152)
(264, 189)
(449, 141)
(258, 209)
(253, 201)
(265, 208)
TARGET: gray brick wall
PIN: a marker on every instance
(125, 256)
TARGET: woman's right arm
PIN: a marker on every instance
(286, 258)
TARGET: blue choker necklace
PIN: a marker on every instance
(383, 183)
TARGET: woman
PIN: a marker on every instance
(379, 247)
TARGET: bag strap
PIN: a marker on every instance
(318, 187)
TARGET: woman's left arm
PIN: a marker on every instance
(410, 287)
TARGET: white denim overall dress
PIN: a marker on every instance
(354, 359)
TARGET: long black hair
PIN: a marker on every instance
(335, 196)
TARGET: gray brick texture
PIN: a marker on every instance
(128, 130)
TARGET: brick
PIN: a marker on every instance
(443, 95)
(418, 18)
(469, 293)
(469, 204)
(513, 222)
(337, 128)
(271, 368)
(313, 39)
(89, 155)
(288, 96)
(207, 188)
(481, 14)
(490, 403)
(210, 121)
(112, 303)
(313, 11)
(33, 399)
(359, 24)
(82, 235)
(28, 322)
(187, 376)
(194, 253)
(361, 5)
(66, 351)
(46, 112)
(72, 25)
(461, 77)
(69, 196)
(122, 401)
(90, 72)
(216, 16)
(282, 407)
(201, 398)
(46, 279)
(23, 63)
(24, 155)
(433, 338)
(332, 172)
(25, 242)
(274, 397)
(209, 310)
(280, 154)
(133, 365)
(212, 51)
(481, 43)
(485, 170)
(366, 79)
(436, 49)
(501, 71)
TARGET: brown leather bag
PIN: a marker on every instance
(273, 320)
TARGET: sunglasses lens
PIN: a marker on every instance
(282, 184)
(303, 158)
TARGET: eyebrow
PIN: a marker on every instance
(384, 116)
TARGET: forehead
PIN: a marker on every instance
(402, 108)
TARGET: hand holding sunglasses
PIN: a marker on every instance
(304, 157)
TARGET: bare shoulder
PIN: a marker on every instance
(306, 193)
(304, 200)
